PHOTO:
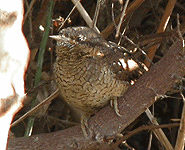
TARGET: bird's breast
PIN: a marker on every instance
(87, 84)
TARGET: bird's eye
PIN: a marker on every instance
(81, 38)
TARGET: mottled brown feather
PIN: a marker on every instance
(88, 69)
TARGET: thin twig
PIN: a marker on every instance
(121, 18)
(84, 14)
(68, 16)
(150, 141)
(34, 109)
(108, 30)
(151, 127)
(180, 34)
(158, 132)
(30, 21)
(181, 132)
(29, 9)
(162, 26)
(137, 46)
(113, 18)
(96, 14)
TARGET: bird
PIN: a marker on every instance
(90, 71)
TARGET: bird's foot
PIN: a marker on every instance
(114, 104)
(84, 125)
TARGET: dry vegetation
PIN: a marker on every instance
(145, 30)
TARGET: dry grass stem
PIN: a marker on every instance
(158, 132)
(162, 26)
(84, 14)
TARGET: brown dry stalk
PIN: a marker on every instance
(151, 127)
(162, 26)
(181, 134)
(108, 30)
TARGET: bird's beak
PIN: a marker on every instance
(56, 37)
